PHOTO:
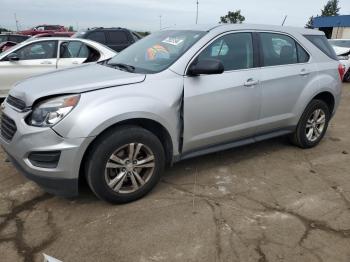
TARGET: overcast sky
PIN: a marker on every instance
(144, 14)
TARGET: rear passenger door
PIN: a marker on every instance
(285, 73)
(118, 40)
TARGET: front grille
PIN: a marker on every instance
(8, 127)
(16, 103)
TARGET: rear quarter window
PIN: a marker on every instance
(321, 42)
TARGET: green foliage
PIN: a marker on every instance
(331, 8)
(309, 23)
(4, 30)
(233, 17)
(70, 29)
(143, 34)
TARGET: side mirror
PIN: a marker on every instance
(13, 57)
(206, 67)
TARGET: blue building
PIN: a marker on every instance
(333, 26)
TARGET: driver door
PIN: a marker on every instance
(223, 108)
(33, 59)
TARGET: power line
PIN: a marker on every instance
(197, 12)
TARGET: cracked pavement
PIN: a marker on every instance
(264, 202)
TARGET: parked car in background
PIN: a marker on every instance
(15, 38)
(173, 95)
(8, 40)
(40, 29)
(55, 34)
(342, 49)
(39, 55)
(115, 38)
(6, 45)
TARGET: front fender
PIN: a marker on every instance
(102, 109)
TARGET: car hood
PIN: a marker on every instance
(71, 81)
(341, 50)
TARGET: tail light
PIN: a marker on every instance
(341, 71)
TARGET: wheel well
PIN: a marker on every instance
(150, 125)
(328, 98)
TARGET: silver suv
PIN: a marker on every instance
(173, 95)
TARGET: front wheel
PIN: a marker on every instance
(312, 126)
(125, 164)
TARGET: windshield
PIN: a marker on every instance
(340, 43)
(156, 52)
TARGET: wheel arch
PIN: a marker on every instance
(149, 124)
(328, 98)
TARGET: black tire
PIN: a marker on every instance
(299, 137)
(105, 146)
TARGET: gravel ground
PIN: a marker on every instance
(264, 202)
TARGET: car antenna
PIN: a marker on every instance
(284, 20)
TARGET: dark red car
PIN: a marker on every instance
(55, 34)
(40, 29)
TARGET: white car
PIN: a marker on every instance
(40, 55)
(342, 49)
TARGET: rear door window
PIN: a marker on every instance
(118, 37)
(278, 49)
(321, 42)
(97, 36)
(74, 49)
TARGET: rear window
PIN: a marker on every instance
(321, 42)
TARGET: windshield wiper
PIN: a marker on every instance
(122, 66)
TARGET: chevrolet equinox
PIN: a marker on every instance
(176, 94)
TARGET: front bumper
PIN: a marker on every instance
(61, 180)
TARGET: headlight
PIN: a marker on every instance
(51, 111)
(343, 57)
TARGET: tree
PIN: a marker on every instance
(234, 17)
(70, 29)
(331, 8)
(310, 23)
(3, 29)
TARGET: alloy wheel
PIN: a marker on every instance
(129, 168)
(315, 125)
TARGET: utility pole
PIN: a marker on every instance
(197, 12)
(284, 20)
(160, 22)
(17, 27)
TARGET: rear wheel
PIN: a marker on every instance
(125, 164)
(312, 126)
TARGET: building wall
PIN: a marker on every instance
(341, 32)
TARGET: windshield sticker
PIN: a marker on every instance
(173, 41)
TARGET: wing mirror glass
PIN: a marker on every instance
(13, 57)
(206, 67)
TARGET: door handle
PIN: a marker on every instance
(75, 63)
(46, 63)
(304, 72)
(251, 82)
